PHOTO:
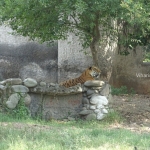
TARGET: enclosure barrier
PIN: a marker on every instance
(53, 101)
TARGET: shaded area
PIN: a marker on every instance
(134, 108)
(29, 60)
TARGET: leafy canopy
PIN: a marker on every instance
(53, 19)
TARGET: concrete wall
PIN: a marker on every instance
(72, 61)
(71, 58)
(56, 107)
(118, 70)
(131, 71)
(22, 58)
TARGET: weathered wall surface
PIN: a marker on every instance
(131, 71)
(53, 101)
(119, 70)
(56, 107)
(71, 59)
(22, 58)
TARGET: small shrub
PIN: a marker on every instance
(122, 90)
(113, 116)
(21, 111)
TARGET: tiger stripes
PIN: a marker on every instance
(89, 74)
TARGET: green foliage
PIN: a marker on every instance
(113, 117)
(147, 57)
(52, 20)
(122, 90)
(147, 54)
(21, 111)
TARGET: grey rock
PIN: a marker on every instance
(3, 82)
(93, 95)
(105, 111)
(85, 112)
(27, 99)
(71, 118)
(97, 111)
(84, 94)
(87, 106)
(52, 84)
(100, 116)
(94, 83)
(96, 88)
(10, 105)
(91, 116)
(85, 100)
(90, 92)
(11, 81)
(93, 107)
(42, 83)
(79, 89)
(72, 90)
(14, 98)
(106, 90)
(85, 89)
(100, 106)
(84, 108)
(13, 101)
(29, 82)
(2, 87)
(95, 99)
(19, 89)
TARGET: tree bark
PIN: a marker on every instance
(94, 46)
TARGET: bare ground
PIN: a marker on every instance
(134, 108)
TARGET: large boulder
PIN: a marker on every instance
(13, 101)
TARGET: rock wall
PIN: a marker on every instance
(20, 57)
(89, 101)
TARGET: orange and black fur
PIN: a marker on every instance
(89, 74)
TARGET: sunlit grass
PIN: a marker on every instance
(73, 135)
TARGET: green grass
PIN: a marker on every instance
(72, 135)
(147, 57)
(122, 90)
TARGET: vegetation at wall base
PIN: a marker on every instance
(20, 112)
(122, 90)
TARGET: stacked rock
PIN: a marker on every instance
(14, 89)
(95, 105)
(94, 102)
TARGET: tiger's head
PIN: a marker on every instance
(94, 72)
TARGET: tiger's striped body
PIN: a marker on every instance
(89, 74)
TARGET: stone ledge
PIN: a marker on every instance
(56, 90)
(88, 101)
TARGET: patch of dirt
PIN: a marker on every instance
(134, 108)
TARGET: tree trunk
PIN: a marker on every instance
(94, 46)
(94, 51)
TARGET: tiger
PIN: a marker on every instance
(90, 73)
